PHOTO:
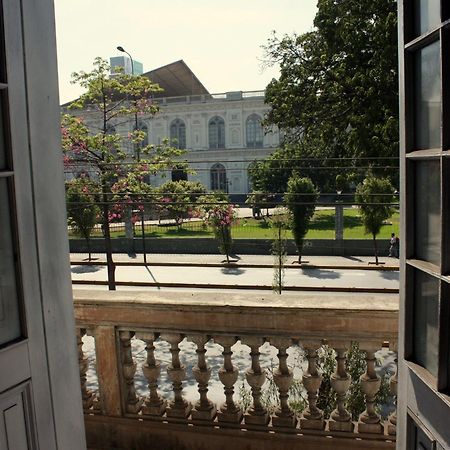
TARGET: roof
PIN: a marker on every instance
(177, 79)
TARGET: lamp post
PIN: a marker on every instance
(339, 218)
(138, 145)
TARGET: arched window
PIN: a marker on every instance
(216, 132)
(218, 178)
(178, 134)
(254, 131)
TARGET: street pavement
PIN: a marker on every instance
(250, 271)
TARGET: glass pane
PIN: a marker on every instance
(9, 302)
(213, 135)
(427, 211)
(427, 97)
(2, 140)
(426, 313)
(427, 15)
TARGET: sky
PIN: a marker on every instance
(220, 41)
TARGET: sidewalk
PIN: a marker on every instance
(322, 262)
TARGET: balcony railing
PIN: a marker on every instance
(212, 98)
(148, 394)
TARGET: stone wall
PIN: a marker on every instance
(313, 247)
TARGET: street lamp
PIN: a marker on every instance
(138, 149)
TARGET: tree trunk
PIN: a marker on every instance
(225, 240)
(108, 247)
(88, 243)
(375, 248)
(280, 262)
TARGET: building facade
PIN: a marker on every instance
(125, 63)
(221, 133)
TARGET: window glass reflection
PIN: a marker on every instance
(2, 140)
(426, 313)
(427, 98)
(427, 15)
(9, 303)
(427, 211)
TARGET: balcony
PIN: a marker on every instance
(170, 369)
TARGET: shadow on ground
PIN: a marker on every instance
(390, 275)
(232, 271)
(86, 269)
(321, 274)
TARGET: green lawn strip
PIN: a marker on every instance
(322, 227)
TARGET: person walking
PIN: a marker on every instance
(393, 249)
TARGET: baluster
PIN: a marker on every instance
(87, 396)
(392, 422)
(229, 412)
(369, 420)
(154, 405)
(312, 417)
(204, 409)
(257, 414)
(132, 402)
(340, 418)
(283, 377)
(179, 407)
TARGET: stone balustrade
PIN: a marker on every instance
(159, 415)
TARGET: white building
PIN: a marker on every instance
(222, 133)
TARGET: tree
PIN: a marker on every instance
(375, 197)
(82, 210)
(101, 150)
(219, 214)
(337, 94)
(271, 175)
(179, 198)
(300, 199)
(132, 198)
(279, 225)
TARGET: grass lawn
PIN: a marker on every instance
(321, 227)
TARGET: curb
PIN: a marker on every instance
(235, 286)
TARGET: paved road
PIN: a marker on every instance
(244, 276)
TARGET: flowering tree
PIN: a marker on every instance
(179, 198)
(132, 197)
(219, 214)
(82, 209)
(280, 225)
(100, 150)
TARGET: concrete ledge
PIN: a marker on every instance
(350, 316)
(247, 287)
